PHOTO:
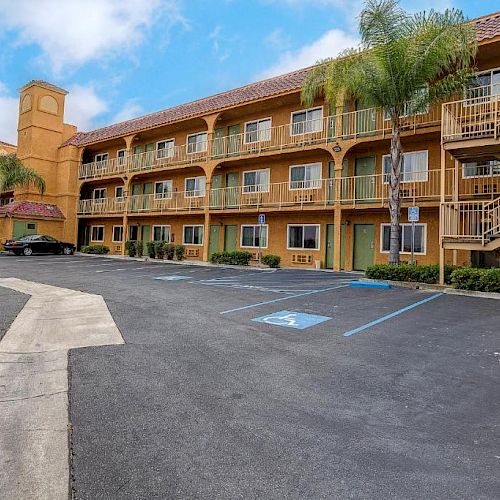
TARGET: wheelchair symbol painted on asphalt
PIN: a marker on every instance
(291, 319)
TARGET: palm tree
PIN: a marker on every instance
(405, 64)
(13, 174)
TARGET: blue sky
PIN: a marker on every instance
(123, 58)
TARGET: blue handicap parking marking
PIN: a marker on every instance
(292, 319)
(174, 277)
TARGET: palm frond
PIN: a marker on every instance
(13, 174)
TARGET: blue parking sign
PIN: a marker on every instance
(413, 214)
(262, 218)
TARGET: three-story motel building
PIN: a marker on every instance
(199, 174)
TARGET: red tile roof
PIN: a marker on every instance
(487, 27)
(2, 143)
(31, 209)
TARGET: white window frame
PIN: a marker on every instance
(306, 165)
(256, 228)
(403, 225)
(130, 231)
(244, 186)
(486, 176)
(205, 143)
(184, 242)
(92, 233)
(99, 200)
(170, 150)
(386, 176)
(472, 100)
(264, 132)
(101, 159)
(113, 234)
(121, 159)
(302, 248)
(123, 192)
(195, 190)
(162, 226)
(306, 111)
(169, 192)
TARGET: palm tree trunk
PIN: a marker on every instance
(394, 191)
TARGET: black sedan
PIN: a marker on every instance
(38, 243)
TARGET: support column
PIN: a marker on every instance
(443, 198)
(126, 191)
(206, 235)
(338, 159)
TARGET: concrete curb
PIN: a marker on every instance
(439, 288)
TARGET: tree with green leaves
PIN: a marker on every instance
(13, 174)
(405, 64)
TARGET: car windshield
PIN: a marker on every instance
(31, 237)
(48, 238)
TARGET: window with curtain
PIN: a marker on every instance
(161, 233)
(304, 237)
(258, 131)
(307, 121)
(420, 238)
(251, 234)
(195, 186)
(193, 235)
(165, 149)
(414, 167)
(117, 234)
(306, 176)
(197, 143)
(163, 189)
(256, 181)
(485, 168)
(97, 233)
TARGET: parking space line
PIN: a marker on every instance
(283, 298)
(391, 315)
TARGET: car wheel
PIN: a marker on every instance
(27, 251)
(68, 251)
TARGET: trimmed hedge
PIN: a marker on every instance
(408, 272)
(482, 280)
(131, 248)
(169, 249)
(180, 250)
(233, 258)
(271, 260)
(95, 249)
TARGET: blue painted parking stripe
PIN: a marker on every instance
(282, 298)
(392, 315)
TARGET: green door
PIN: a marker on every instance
(232, 189)
(147, 189)
(364, 246)
(150, 154)
(329, 245)
(213, 246)
(234, 139)
(218, 144)
(229, 238)
(216, 192)
(364, 187)
(145, 236)
(23, 228)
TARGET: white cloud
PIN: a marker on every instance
(83, 106)
(328, 45)
(278, 40)
(130, 110)
(73, 32)
(9, 107)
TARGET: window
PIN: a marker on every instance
(119, 190)
(117, 234)
(305, 176)
(420, 238)
(257, 131)
(485, 84)
(414, 167)
(97, 233)
(250, 236)
(484, 168)
(121, 154)
(195, 186)
(193, 235)
(31, 226)
(161, 233)
(133, 232)
(197, 143)
(307, 120)
(256, 181)
(99, 194)
(303, 236)
(163, 189)
(165, 149)
(101, 161)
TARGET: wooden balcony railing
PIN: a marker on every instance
(178, 201)
(366, 123)
(102, 206)
(475, 117)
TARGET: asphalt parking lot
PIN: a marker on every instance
(276, 384)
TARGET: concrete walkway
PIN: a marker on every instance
(34, 385)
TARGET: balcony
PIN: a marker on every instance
(102, 206)
(178, 201)
(366, 124)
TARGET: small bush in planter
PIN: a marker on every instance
(159, 249)
(169, 250)
(140, 248)
(131, 248)
(150, 249)
(233, 258)
(271, 260)
(482, 280)
(180, 250)
(408, 272)
(95, 249)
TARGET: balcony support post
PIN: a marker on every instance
(443, 193)
(338, 159)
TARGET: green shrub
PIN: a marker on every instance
(180, 250)
(271, 260)
(131, 248)
(233, 258)
(150, 249)
(159, 249)
(169, 250)
(95, 249)
(140, 248)
(408, 272)
(482, 280)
